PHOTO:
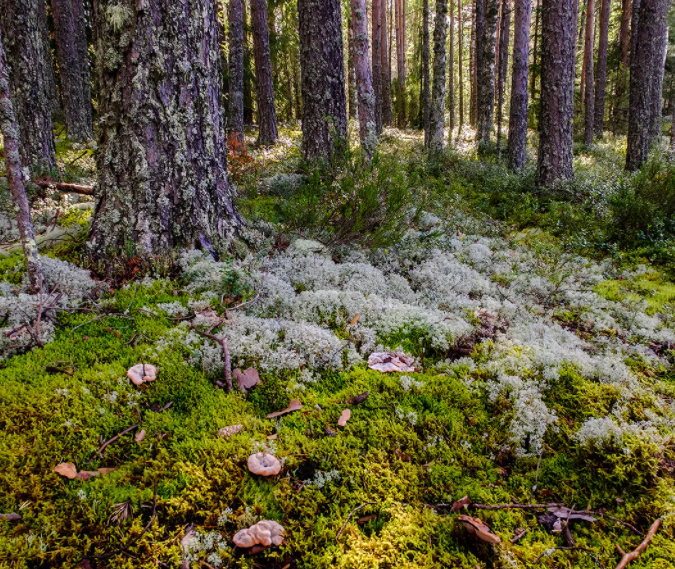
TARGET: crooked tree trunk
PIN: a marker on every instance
(351, 71)
(235, 123)
(400, 62)
(437, 116)
(162, 161)
(601, 74)
(364, 82)
(502, 65)
(426, 110)
(645, 27)
(267, 112)
(324, 102)
(518, 111)
(460, 35)
(558, 50)
(589, 100)
(387, 119)
(10, 134)
(659, 68)
(486, 71)
(23, 25)
(72, 52)
(451, 69)
(376, 54)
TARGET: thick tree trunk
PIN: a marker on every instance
(235, 123)
(351, 71)
(619, 112)
(659, 68)
(460, 35)
(72, 51)
(387, 119)
(486, 71)
(451, 69)
(535, 52)
(267, 113)
(400, 62)
(364, 83)
(324, 103)
(558, 49)
(503, 59)
(10, 134)
(437, 118)
(589, 45)
(426, 110)
(601, 69)
(162, 160)
(518, 111)
(23, 26)
(377, 61)
(248, 70)
(645, 27)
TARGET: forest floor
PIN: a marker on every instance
(542, 356)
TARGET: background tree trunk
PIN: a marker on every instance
(558, 50)
(235, 107)
(387, 119)
(364, 83)
(659, 68)
(503, 59)
(460, 35)
(248, 70)
(267, 113)
(426, 111)
(351, 71)
(589, 45)
(535, 53)
(10, 134)
(601, 74)
(486, 71)
(518, 111)
(162, 152)
(437, 118)
(377, 61)
(619, 115)
(451, 69)
(324, 103)
(23, 26)
(645, 27)
(400, 61)
(73, 55)
(473, 95)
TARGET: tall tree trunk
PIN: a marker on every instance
(235, 122)
(504, 33)
(558, 50)
(486, 66)
(23, 24)
(364, 83)
(659, 68)
(267, 113)
(437, 118)
(386, 67)
(73, 55)
(162, 152)
(460, 35)
(672, 115)
(248, 71)
(580, 48)
(535, 52)
(400, 62)
(451, 69)
(376, 22)
(645, 28)
(472, 67)
(297, 73)
(351, 71)
(619, 116)
(589, 45)
(518, 111)
(601, 73)
(324, 102)
(10, 134)
(426, 110)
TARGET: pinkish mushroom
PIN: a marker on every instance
(140, 373)
(265, 533)
(264, 464)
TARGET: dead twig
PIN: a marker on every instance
(626, 558)
(64, 186)
(344, 525)
(110, 441)
(517, 506)
(226, 354)
(519, 535)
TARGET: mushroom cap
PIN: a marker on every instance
(264, 464)
(266, 533)
(140, 373)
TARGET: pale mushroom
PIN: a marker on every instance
(264, 464)
(265, 533)
(140, 373)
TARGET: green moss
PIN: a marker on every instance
(652, 288)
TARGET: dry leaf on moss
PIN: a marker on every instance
(139, 436)
(464, 502)
(246, 379)
(294, 405)
(387, 362)
(358, 398)
(66, 469)
(344, 417)
(479, 529)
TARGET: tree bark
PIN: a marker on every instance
(387, 118)
(503, 59)
(645, 27)
(10, 134)
(601, 74)
(364, 83)
(460, 35)
(518, 112)
(23, 24)
(324, 103)
(672, 114)
(486, 69)
(426, 110)
(558, 50)
(400, 62)
(72, 52)
(235, 123)
(351, 71)
(377, 62)
(535, 52)
(659, 68)
(619, 109)
(248, 70)
(473, 95)
(451, 69)
(162, 159)
(589, 45)
(267, 113)
(437, 117)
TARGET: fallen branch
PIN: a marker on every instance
(110, 441)
(626, 558)
(227, 363)
(516, 506)
(344, 525)
(64, 186)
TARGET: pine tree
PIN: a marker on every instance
(267, 113)
(235, 123)
(518, 112)
(486, 31)
(376, 54)
(589, 96)
(437, 114)
(601, 74)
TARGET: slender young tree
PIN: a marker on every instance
(518, 112)
(460, 51)
(23, 24)
(558, 50)
(478, 23)
(645, 26)
(235, 123)
(385, 64)
(659, 68)
(473, 95)
(502, 61)
(10, 134)
(249, 75)
(267, 113)
(437, 116)
(351, 71)
(486, 71)
(72, 53)
(672, 122)
(377, 61)
(589, 100)
(601, 74)
(324, 102)
(364, 83)
(451, 69)
(426, 110)
(535, 52)
(162, 159)
(400, 62)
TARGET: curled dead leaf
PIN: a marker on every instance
(479, 529)
(464, 502)
(294, 405)
(66, 469)
(246, 379)
(344, 417)
(354, 320)
(11, 517)
(227, 432)
(358, 398)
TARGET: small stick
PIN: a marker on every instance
(516, 506)
(110, 441)
(226, 354)
(626, 558)
(64, 186)
(344, 525)
(520, 535)
(77, 158)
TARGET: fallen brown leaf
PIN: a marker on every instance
(344, 417)
(358, 399)
(365, 519)
(354, 320)
(66, 469)
(479, 529)
(246, 379)
(464, 502)
(387, 362)
(139, 436)
(10, 517)
(294, 405)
